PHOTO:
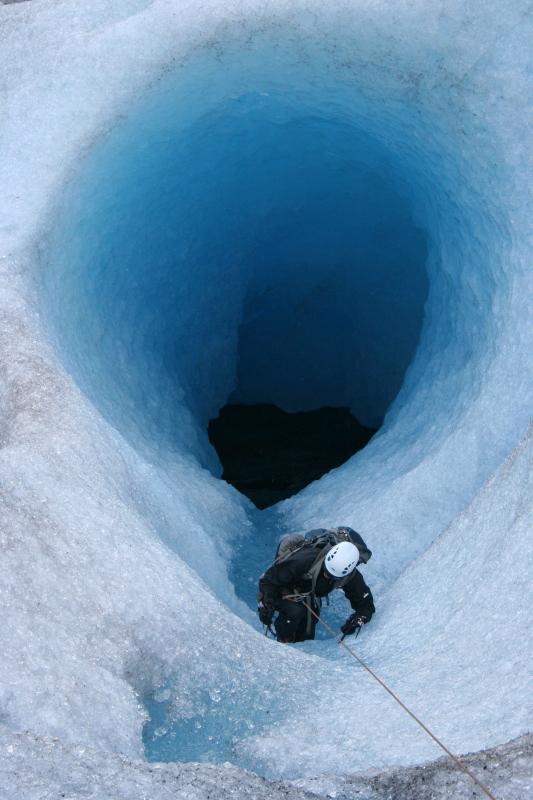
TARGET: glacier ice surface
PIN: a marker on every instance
(34, 767)
(119, 544)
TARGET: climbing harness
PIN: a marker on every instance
(382, 683)
(312, 575)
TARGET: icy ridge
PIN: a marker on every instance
(33, 768)
(507, 771)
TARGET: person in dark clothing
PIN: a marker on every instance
(300, 579)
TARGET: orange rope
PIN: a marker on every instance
(395, 697)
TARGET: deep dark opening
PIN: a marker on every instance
(269, 454)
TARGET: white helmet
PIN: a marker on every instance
(342, 559)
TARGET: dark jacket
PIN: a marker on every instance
(287, 577)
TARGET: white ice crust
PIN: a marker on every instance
(113, 577)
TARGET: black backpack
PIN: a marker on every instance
(318, 539)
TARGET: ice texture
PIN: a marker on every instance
(37, 768)
(507, 769)
(155, 231)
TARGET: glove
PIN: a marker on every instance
(352, 624)
(265, 614)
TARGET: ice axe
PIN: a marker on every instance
(357, 632)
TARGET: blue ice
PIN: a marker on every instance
(308, 211)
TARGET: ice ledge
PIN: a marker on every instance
(35, 768)
(506, 770)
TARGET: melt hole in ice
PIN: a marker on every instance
(259, 229)
(237, 238)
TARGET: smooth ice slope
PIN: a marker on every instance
(117, 542)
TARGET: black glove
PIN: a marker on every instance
(265, 614)
(352, 624)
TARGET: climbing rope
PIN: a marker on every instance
(382, 683)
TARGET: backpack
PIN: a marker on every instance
(318, 539)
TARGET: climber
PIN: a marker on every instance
(306, 569)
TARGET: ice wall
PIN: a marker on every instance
(117, 542)
(275, 255)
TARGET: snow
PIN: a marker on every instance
(133, 302)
